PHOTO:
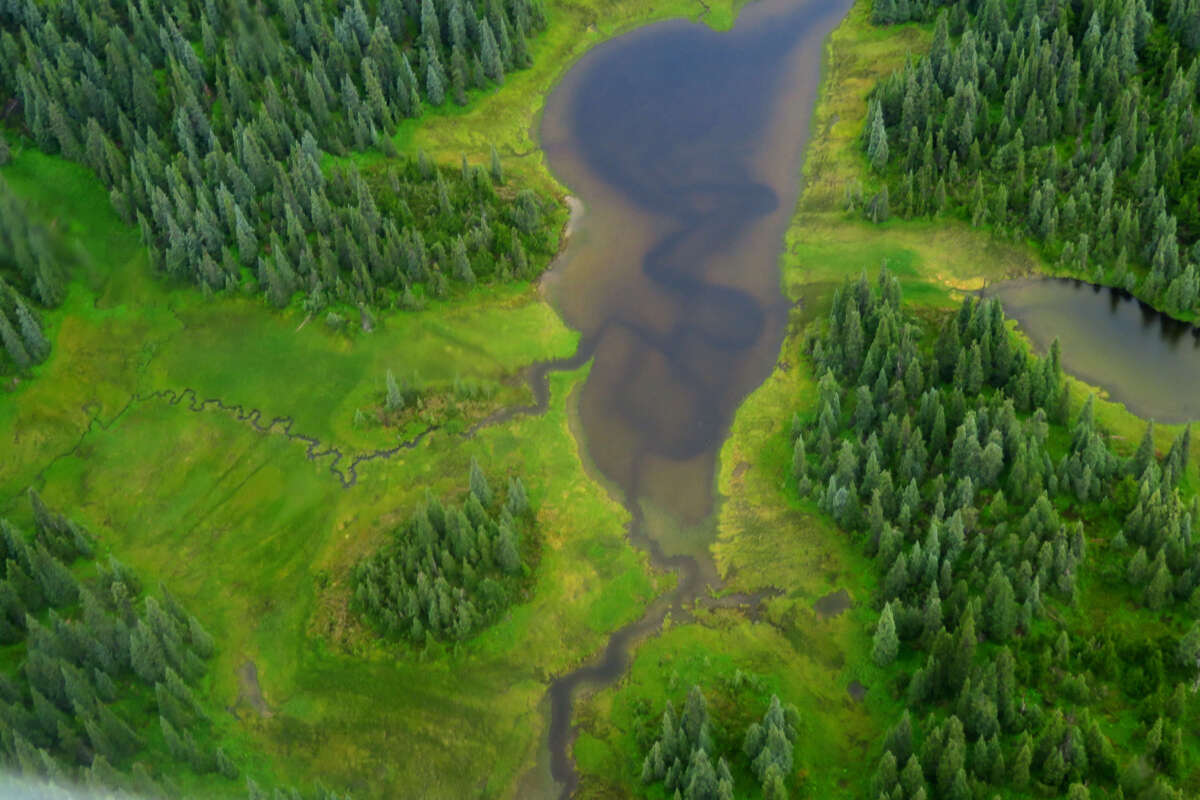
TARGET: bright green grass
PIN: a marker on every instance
(258, 541)
(123, 331)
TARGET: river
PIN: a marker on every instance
(684, 146)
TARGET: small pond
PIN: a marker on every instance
(1141, 357)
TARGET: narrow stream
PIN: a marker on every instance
(1141, 357)
(685, 147)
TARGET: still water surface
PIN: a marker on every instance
(1141, 357)
(684, 146)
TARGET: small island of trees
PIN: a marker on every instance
(450, 571)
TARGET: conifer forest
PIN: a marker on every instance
(592, 399)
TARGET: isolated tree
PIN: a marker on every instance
(395, 398)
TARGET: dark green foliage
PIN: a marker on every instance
(208, 124)
(681, 757)
(683, 754)
(448, 572)
(77, 671)
(443, 222)
(30, 268)
(770, 744)
(886, 643)
(1078, 126)
(979, 556)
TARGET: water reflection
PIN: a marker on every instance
(1141, 357)
(684, 144)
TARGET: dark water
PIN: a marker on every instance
(684, 146)
(1141, 357)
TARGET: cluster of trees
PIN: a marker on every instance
(82, 654)
(892, 12)
(448, 572)
(681, 757)
(30, 272)
(954, 460)
(1077, 126)
(207, 122)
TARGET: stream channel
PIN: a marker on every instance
(684, 146)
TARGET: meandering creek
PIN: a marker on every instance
(1141, 357)
(684, 146)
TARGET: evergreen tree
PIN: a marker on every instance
(493, 65)
(877, 141)
(886, 643)
(394, 399)
(13, 345)
(479, 484)
(497, 171)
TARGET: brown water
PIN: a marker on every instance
(684, 146)
(1141, 357)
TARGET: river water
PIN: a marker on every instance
(1141, 357)
(684, 146)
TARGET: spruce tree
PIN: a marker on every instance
(434, 85)
(493, 65)
(496, 170)
(479, 484)
(13, 345)
(507, 554)
(877, 140)
(886, 643)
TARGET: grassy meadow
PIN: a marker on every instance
(257, 539)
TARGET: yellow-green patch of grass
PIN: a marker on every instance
(123, 330)
(236, 351)
(935, 260)
(857, 55)
(767, 537)
(257, 539)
